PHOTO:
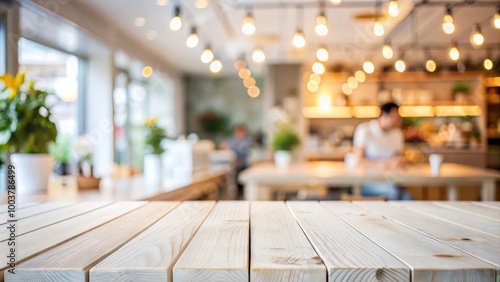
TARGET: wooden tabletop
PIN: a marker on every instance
(254, 241)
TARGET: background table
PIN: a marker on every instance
(255, 241)
(258, 176)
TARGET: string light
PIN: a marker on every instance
(448, 25)
(496, 19)
(244, 73)
(258, 56)
(400, 65)
(368, 67)
(378, 28)
(430, 65)
(454, 53)
(215, 66)
(249, 82)
(360, 76)
(476, 37)
(393, 9)
(315, 78)
(253, 92)
(322, 54)
(239, 64)
(318, 68)
(312, 86)
(147, 71)
(248, 26)
(207, 55)
(321, 27)
(192, 40)
(176, 21)
(352, 82)
(299, 40)
(387, 51)
(346, 89)
(488, 64)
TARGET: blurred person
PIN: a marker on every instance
(240, 144)
(381, 142)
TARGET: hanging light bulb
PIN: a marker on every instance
(400, 65)
(315, 78)
(176, 21)
(248, 26)
(454, 53)
(393, 9)
(430, 65)
(352, 82)
(207, 55)
(321, 27)
(318, 68)
(368, 67)
(215, 66)
(322, 54)
(192, 40)
(360, 76)
(448, 25)
(299, 40)
(488, 64)
(496, 19)
(378, 28)
(387, 51)
(258, 56)
(336, 2)
(476, 37)
(346, 89)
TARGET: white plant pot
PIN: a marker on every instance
(32, 172)
(282, 159)
(152, 169)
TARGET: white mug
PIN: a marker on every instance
(435, 161)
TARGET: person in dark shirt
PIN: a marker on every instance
(240, 144)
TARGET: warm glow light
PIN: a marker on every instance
(400, 65)
(321, 25)
(368, 67)
(322, 54)
(324, 102)
(192, 40)
(336, 2)
(387, 52)
(215, 66)
(496, 19)
(201, 4)
(207, 55)
(161, 2)
(430, 65)
(476, 37)
(318, 68)
(239, 64)
(360, 76)
(147, 71)
(244, 73)
(253, 91)
(352, 82)
(299, 40)
(488, 64)
(454, 53)
(416, 111)
(366, 111)
(315, 77)
(330, 112)
(249, 82)
(248, 26)
(442, 111)
(393, 9)
(312, 86)
(378, 28)
(258, 56)
(139, 22)
(346, 89)
(448, 25)
(176, 22)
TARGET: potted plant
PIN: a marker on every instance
(460, 91)
(283, 142)
(152, 160)
(26, 130)
(61, 151)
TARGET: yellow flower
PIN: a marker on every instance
(151, 121)
(13, 83)
(31, 85)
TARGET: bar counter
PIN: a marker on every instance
(255, 241)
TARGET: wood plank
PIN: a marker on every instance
(32, 223)
(151, 255)
(486, 225)
(220, 249)
(429, 259)
(347, 254)
(279, 249)
(3, 208)
(489, 204)
(35, 242)
(36, 209)
(71, 260)
(470, 207)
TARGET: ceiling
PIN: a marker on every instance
(350, 41)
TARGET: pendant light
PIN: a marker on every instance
(322, 54)
(321, 24)
(387, 51)
(258, 56)
(248, 27)
(393, 9)
(207, 55)
(454, 53)
(176, 21)
(215, 66)
(299, 40)
(496, 19)
(448, 25)
(476, 37)
(430, 65)
(368, 67)
(192, 40)
(378, 27)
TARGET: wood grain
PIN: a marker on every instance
(347, 254)
(429, 259)
(36, 209)
(220, 249)
(71, 260)
(151, 255)
(279, 249)
(486, 225)
(473, 209)
(36, 242)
